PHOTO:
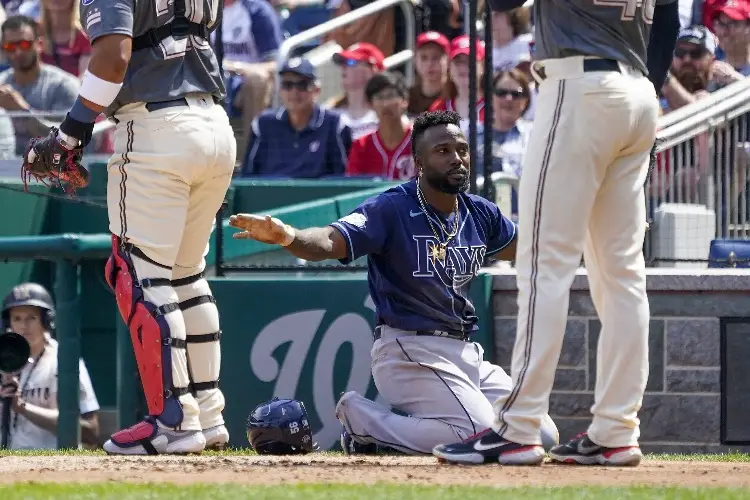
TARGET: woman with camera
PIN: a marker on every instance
(29, 390)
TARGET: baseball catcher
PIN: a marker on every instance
(174, 157)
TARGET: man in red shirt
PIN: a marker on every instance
(385, 153)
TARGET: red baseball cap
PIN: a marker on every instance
(433, 37)
(461, 46)
(736, 10)
(361, 52)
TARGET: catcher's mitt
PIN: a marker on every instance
(51, 161)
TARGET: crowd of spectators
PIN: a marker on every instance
(45, 51)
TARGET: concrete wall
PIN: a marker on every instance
(682, 410)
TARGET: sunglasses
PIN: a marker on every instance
(679, 53)
(299, 85)
(21, 44)
(515, 94)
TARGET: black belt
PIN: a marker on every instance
(590, 65)
(155, 106)
(428, 333)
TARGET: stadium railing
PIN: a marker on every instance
(704, 159)
(405, 56)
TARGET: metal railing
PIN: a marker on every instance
(301, 38)
(704, 159)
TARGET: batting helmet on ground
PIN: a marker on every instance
(30, 294)
(280, 427)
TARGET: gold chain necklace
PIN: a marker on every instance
(438, 251)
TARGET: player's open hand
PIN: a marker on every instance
(263, 228)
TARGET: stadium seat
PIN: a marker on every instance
(729, 253)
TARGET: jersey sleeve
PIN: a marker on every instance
(86, 397)
(365, 229)
(501, 231)
(107, 17)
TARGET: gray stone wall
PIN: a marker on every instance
(681, 410)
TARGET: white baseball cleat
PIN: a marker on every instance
(217, 437)
(149, 437)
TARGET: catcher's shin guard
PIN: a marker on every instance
(149, 307)
(203, 337)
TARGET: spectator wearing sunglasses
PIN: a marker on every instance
(31, 86)
(300, 139)
(510, 131)
(358, 63)
(691, 74)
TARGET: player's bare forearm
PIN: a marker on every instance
(110, 57)
(318, 243)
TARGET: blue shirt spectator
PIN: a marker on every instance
(301, 139)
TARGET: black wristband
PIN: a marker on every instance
(80, 130)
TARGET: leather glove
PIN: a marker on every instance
(54, 160)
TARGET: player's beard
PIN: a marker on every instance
(444, 184)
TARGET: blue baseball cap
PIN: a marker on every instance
(299, 66)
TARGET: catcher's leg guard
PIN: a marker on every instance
(149, 307)
(203, 348)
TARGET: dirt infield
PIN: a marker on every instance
(326, 469)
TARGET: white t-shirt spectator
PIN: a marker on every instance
(360, 127)
(251, 31)
(38, 383)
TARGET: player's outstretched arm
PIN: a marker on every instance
(313, 244)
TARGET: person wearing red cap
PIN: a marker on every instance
(458, 85)
(431, 71)
(730, 20)
(358, 63)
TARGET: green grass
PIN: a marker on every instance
(121, 491)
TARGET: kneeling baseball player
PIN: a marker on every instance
(425, 241)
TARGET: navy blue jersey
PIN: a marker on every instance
(411, 290)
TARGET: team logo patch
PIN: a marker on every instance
(87, 2)
(356, 219)
(314, 146)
